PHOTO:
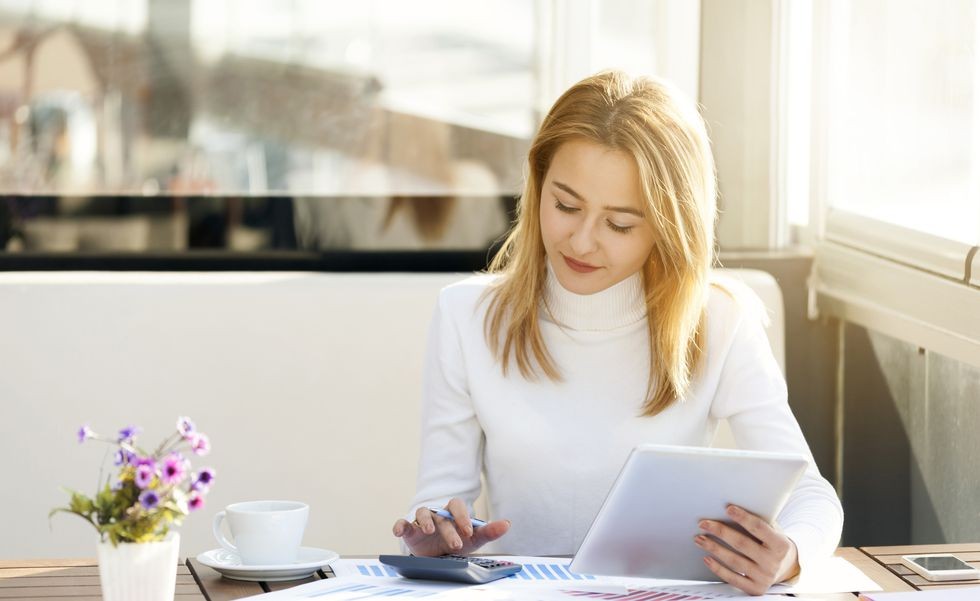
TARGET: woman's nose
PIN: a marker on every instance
(583, 240)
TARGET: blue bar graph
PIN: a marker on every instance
(549, 571)
(381, 570)
(531, 571)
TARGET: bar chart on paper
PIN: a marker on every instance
(541, 579)
(535, 569)
(550, 571)
(364, 591)
(666, 594)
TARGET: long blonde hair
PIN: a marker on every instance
(665, 135)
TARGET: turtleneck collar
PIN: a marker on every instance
(619, 305)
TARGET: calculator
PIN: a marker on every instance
(457, 568)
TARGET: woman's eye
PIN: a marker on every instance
(622, 229)
(564, 208)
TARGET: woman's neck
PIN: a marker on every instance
(620, 305)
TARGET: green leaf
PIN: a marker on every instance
(85, 517)
(81, 504)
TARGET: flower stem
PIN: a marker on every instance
(168, 445)
(101, 471)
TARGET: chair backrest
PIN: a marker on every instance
(307, 383)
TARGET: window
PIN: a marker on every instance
(903, 114)
(160, 125)
(896, 169)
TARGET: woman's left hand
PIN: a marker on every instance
(760, 560)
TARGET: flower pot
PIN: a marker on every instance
(139, 571)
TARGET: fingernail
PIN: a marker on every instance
(732, 510)
(699, 539)
(707, 561)
(508, 523)
(703, 524)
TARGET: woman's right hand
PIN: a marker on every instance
(430, 535)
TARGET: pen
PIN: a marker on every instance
(476, 523)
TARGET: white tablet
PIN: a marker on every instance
(647, 524)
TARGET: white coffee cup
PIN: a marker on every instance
(265, 532)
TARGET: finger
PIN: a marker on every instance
(400, 528)
(447, 530)
(461, 515)
(410, 532)
(732, 537)
(424, 519)
(734, 578)
(490, 532)
(734, 561)
(752, 523)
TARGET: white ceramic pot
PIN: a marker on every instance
(139, 571)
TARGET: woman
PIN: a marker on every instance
(601, 327)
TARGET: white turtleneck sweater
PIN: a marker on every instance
(551, 450)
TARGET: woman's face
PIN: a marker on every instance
(592, 220)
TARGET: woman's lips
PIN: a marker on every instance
(579, 266)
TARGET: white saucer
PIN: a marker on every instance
(229, 565)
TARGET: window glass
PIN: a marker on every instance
(159, 125)
(904, 136)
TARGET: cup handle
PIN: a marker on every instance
(224, 542)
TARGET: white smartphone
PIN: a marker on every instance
(940, 567)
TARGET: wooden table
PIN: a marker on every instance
(78, 580)
(890, 557)
(72, 580)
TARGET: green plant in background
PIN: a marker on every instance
(152, 492)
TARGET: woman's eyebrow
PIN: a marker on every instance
(571, 191)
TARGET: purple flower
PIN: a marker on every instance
(128, 433)
(174, 469)
(149, 499)
(195, 502)
(201, 481)
(138, 461)
(144, 475)
(124, 457)
(200, 443)
(185, 426)
(84, 433)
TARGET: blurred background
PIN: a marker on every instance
(384, 135)
(244, 125)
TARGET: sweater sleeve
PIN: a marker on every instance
(451, 436)
(752, 396)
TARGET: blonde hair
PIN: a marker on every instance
(665, 135)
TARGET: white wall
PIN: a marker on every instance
(295, 378)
